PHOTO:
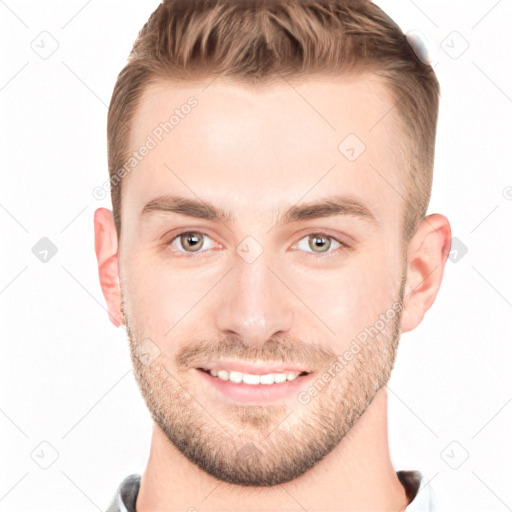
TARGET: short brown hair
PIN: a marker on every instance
(257, 41)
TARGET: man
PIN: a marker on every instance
(271, 167)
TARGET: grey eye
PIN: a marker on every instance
(191, 242)
(319, 242)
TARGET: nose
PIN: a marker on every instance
(254, 304)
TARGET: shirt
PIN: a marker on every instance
(420, 494)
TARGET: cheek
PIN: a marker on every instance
(164, 297)
(148, 292)
(357, 294)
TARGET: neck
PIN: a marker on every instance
(357, 475)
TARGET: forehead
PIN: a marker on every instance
(258, 148)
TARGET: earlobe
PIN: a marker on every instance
(106, 248)
(426, 258)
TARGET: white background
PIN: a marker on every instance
(66, 374)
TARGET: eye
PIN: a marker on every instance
(190, 242)
(320, 243)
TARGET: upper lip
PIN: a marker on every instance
(254, 369)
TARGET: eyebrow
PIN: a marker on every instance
(325, 207)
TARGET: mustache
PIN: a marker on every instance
(287, 350)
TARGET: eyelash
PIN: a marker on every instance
(343, 246)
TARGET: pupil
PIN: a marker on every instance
(316, 238)
(191, 237)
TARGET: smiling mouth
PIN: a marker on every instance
(253, 379)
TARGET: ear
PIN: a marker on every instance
(427, 253)
(106, 248)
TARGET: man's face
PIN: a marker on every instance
(261, 287)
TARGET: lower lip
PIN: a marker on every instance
(261, 393)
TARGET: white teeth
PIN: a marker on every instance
(223, 374)
(248, 378)
(267, 379)
(279, 377)
(236, 377)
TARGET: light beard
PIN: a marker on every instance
(264, 445)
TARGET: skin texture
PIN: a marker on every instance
(254, 151)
